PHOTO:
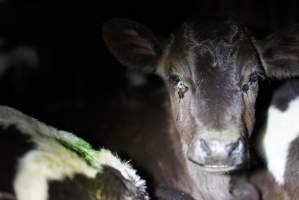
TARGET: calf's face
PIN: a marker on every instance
(211, 71)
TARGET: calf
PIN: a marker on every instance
(280, 142)
(211, 71)
(43, 163)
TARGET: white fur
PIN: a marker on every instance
(125, 168)
(282, 128)
(50, 161)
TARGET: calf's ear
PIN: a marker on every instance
(279, 53)
(132, 44)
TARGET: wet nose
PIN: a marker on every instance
(216, 155)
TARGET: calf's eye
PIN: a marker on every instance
(174, 79)
(252, 80)
(253, 77)
(245, 87)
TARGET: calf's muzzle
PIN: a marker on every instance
(217, 155)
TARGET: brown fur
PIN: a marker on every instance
(210, 70)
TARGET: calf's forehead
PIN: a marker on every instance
(227, 32)
(200, 49)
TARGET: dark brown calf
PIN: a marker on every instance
(211, 71)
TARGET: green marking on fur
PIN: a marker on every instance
(80, 147)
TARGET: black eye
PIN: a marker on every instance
(174, 79)
(253, 77)
(245, 87)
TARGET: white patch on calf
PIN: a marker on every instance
(50, 161)
(282, 128)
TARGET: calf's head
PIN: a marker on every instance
(211, 71)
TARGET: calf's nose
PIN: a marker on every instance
(217, 155)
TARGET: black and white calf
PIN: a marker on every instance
(281, 140)
(40, 162)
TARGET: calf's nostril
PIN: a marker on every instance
(235, 147)
(204, 146)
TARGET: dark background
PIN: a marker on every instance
(77, 79)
